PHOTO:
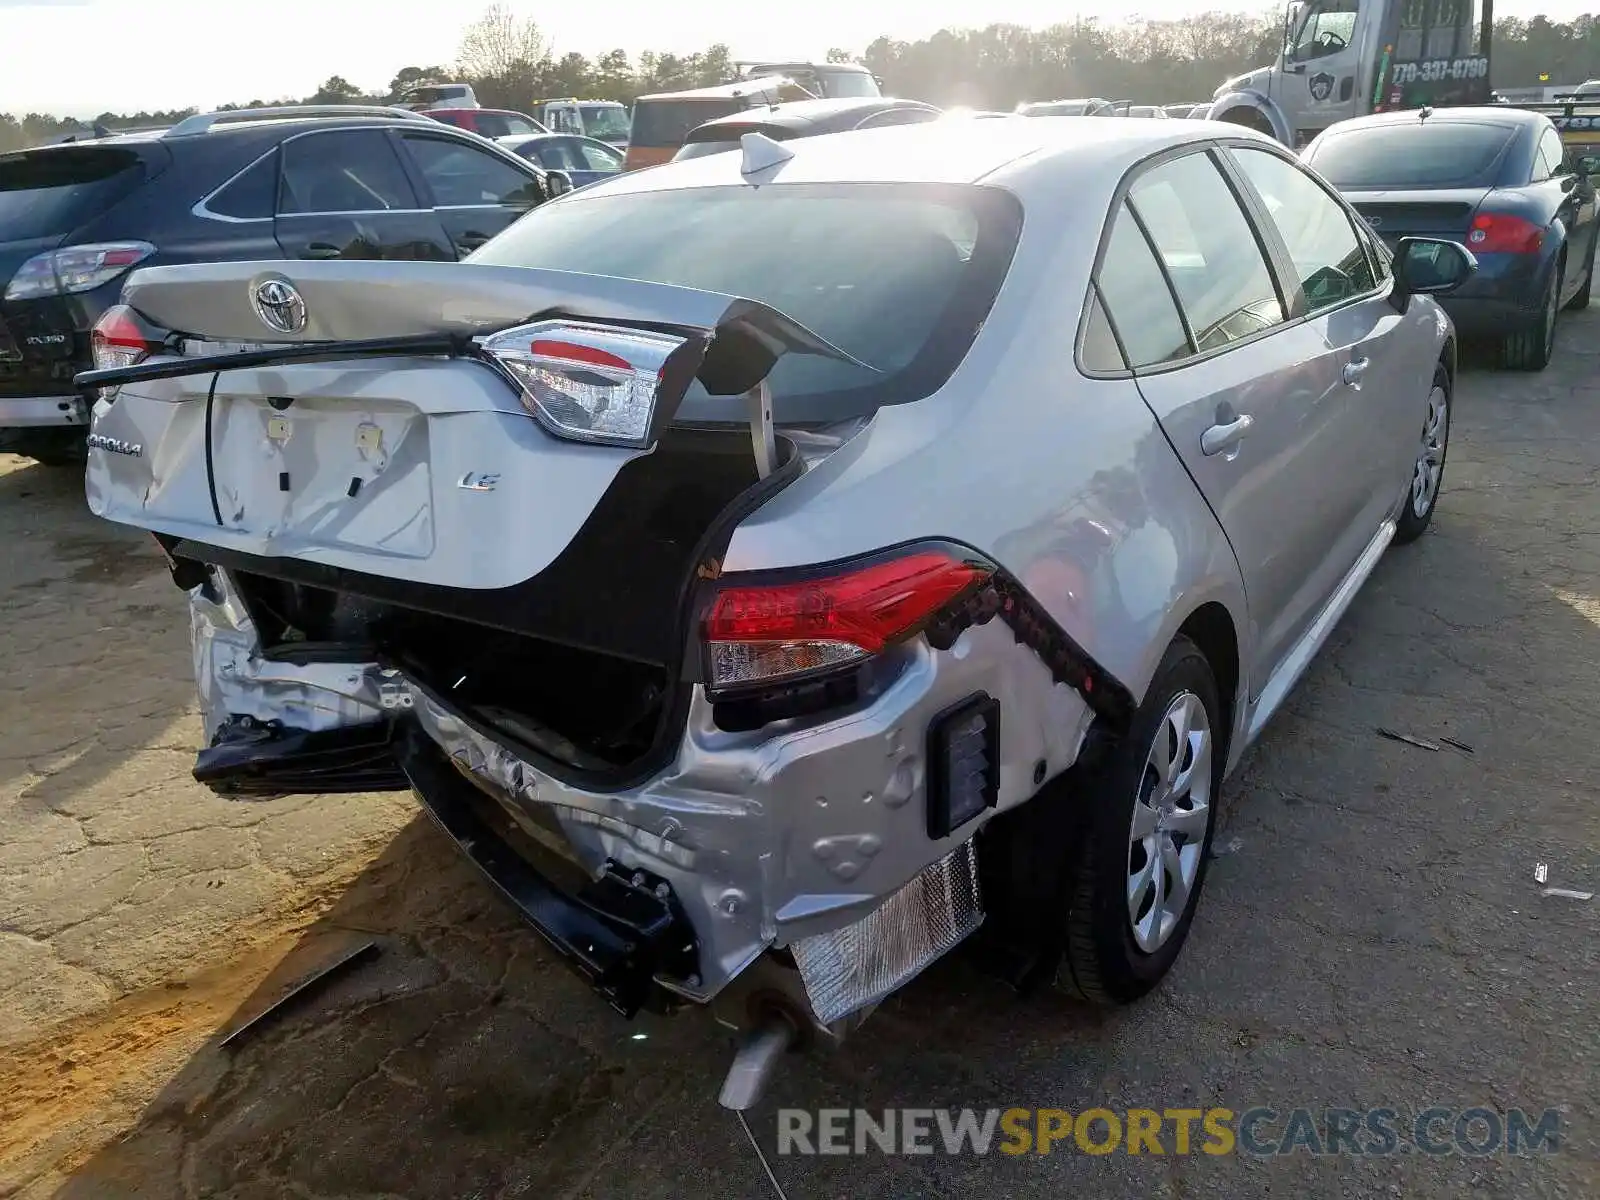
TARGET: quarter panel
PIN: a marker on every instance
(1066, 481)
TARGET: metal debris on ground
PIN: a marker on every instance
(302, 988)
(1407, 739)
(1462, 746)
(1567, 893)
(1541, 872)
(760, 1154)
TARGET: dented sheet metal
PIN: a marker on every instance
(234, 680)
(759, 838)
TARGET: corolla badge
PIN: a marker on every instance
(111, 445)
(279, 305)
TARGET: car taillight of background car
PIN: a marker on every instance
(74, 269)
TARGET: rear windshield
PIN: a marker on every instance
(665, 123)
(1414, 155)
(722, 138)
(898, 275)
(48, 193)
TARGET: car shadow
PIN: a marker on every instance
(93, 632)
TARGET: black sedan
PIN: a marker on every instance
(804, 118)
(1497, 180)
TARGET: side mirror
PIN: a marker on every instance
(560, 183)
(1587, 164)
(1430, 267)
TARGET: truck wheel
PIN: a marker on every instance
(1249, 118)
(1141, 859)
(1531, 349)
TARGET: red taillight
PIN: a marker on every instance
(1502, 233)
(758, 633)
(119, 340)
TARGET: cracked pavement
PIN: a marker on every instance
(1371, 934)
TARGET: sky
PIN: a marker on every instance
(83, 57)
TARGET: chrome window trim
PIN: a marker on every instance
(201, 208)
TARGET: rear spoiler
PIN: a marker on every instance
(730, 343)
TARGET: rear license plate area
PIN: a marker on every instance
(325, 472)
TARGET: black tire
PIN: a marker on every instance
(1249, 118)
(1101, 961)
(1580, 301)
(1531, 349)
(1412, 523)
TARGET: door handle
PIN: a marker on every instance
(322, 250)
(1354, 370)
(1222, 437)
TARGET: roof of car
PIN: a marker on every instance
(1002, 152)
(1493, 114)
(758, 86)
(803, 114)
(497, 112)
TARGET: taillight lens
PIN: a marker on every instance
(1502, 233)
(119, 340)
(75, 269)
(760, 633)
(590, 383)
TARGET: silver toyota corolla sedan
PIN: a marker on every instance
(771, 567)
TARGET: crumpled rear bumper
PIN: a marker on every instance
(811, 835)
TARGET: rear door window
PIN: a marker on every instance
(343, 171)
(1138, 299)
(50, 192)
(463, 176)
(1209, 249)
(251, 195)
(1329, 259)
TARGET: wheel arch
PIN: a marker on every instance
(1254, 111)
(1210, 627)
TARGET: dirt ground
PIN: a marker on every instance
(1371, 935)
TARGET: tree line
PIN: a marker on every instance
(510, 64)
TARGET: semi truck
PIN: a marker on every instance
(1347, 58)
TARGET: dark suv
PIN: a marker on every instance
(335, 182)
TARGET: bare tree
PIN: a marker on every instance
(497, 42)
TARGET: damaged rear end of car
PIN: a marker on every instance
(462, 528)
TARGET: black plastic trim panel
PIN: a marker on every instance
(618, 932)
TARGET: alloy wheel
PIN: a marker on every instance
(1430, 454)
(1170, 816)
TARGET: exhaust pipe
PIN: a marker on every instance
(756, 1060)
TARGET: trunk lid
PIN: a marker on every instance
(396, 503)
(1425, 212)
(422, 469)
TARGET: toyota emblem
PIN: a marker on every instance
(1375, 222)
(279, 305)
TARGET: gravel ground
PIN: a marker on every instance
(1372, 935)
